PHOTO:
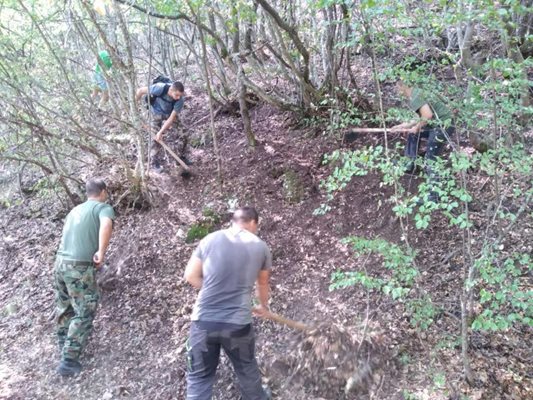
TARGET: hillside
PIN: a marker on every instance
(137, 348)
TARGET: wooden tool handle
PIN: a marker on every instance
(372, 130)
(288, 322)
(179, 160)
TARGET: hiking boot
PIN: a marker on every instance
(69, 368)
(267, 391)
(433, 197)
(158, 168)
(186, 160)
(410, 168)
(408, 165)
(185, 174)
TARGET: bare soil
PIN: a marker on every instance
(136, 350)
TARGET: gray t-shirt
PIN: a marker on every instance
(231, 261)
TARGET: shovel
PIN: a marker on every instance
(187, 170)
(288, 322)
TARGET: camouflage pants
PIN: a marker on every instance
(174, 137)
(203, 351)
(76, 298)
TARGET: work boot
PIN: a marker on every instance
(69, 368)
(268, 392)
(185, 160)
(410, 167)
(433, 197)
(157, 167)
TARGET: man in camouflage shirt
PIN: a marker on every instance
(434, 124)
(86, 235)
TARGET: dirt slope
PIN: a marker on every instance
(137, 347)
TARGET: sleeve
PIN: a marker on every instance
(107, 211)
(199, 251)
(267, 265)
(156, 89)
(178, 105)
(417, 100)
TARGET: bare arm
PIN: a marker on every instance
(416, 125)
(168, 123)
(403, 127)
(140, 93)
(104, 236)
(425, 115)
(193, 272)
(263, 293)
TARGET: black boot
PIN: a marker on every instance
(69, 368)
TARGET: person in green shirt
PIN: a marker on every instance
(100, 83)
(434, 123)
(85, 239)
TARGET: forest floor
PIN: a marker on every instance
(136, 350)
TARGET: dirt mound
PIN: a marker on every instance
(333, 362)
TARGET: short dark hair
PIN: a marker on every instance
(178, 86)
(245, 215)
(94, 186)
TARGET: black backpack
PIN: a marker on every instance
(150, 99)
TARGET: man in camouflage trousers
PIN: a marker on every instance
(166, 101)
(85, 239)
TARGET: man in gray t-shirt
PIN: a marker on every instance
(225, 266)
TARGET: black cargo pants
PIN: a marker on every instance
(203, 351)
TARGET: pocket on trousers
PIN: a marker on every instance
(196, 345)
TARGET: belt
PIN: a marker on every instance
(76, 263)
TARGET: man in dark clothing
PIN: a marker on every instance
(225, 266)
(168, 100)
(434, 124)
(85, 239)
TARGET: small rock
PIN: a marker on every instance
(11, 309)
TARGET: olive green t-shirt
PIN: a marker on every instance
(106, 60)
(80, 233)
(441, 114)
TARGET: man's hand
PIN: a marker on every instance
(98, 259)
(399, 128)
(159, 136)
(414, 129)
(261, 311)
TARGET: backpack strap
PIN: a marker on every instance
(165, 92)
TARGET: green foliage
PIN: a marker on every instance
(198, 232)
(342, 110)
(396, 259)
(422, 312)
(210, 219)
(439, 380)
(408, 396)
(505, 299)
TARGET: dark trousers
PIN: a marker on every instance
(436, 139)
(203, 352)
